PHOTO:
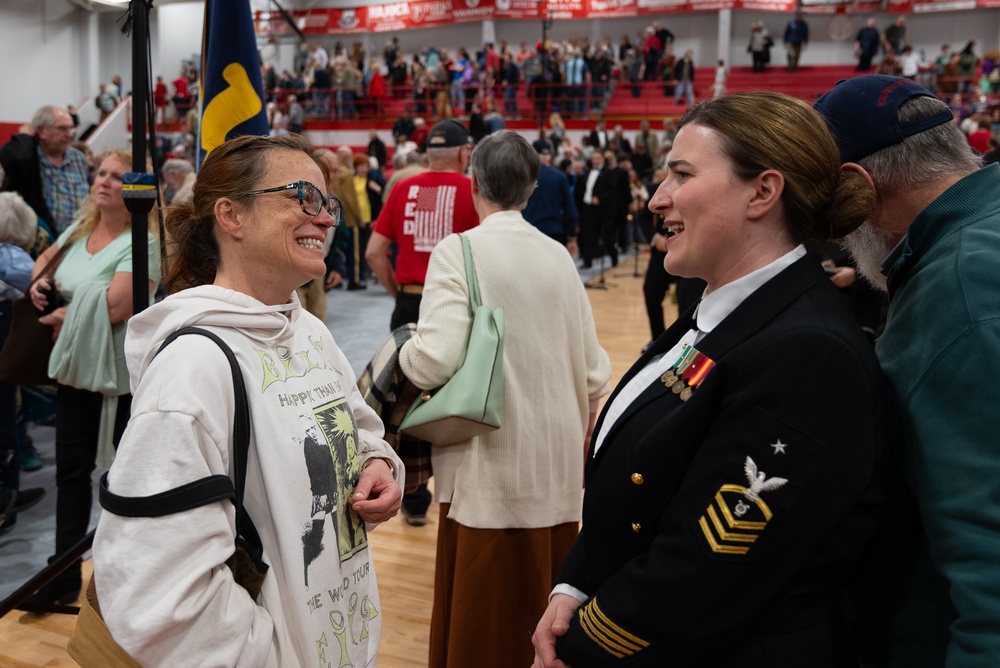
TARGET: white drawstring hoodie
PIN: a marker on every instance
(164, 589)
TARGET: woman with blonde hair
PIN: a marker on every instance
(94, 280)
(557, 130)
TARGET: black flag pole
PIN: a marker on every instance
(139, 190)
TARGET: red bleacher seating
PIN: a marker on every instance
(807, 83)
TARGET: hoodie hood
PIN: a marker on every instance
(211, 307)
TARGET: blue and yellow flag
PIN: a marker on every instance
(232, 93)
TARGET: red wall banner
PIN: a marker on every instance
(948, 5)
(409, 14)
(322, 21)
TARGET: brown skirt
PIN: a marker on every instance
(491, 587)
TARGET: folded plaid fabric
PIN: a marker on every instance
(390, 394)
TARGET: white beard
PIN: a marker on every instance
(868, 246)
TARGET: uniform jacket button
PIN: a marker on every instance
(637, 478)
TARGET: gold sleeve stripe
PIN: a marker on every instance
(606, 634)
(603, 642)
(617, 629)
(714, 544)
(725, 535)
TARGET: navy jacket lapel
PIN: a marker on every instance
(762, 306)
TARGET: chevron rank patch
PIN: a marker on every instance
(610, 637)
(738, 515)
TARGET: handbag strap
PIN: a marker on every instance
(210, 488)
(470, 274)
(53, 263)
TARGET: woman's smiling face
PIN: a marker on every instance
(282, 244)
(704, 206)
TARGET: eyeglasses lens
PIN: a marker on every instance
(310, 198)
(333, 206)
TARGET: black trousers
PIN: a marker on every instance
(357, 266)
(654, 290)
(588, 232)
(78, 419)
(598, 234)
(408, 310)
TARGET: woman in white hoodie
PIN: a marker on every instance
(319, 473)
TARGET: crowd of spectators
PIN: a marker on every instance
(574, 76)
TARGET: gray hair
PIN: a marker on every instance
(506, 169)
(924, 158)
(45, 116)
(177, 165)
(443, 154)
(402, 159)
(18, 222)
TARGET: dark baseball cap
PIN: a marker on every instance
(447, 133)
(541, 145)
(863, 114)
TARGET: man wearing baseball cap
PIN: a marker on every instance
(419, 212)
(929, 594)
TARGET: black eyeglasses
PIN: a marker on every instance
(311, 200)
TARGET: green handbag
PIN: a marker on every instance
(469, 404)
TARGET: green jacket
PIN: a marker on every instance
(931, 592)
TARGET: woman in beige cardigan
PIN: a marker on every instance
(510, 500)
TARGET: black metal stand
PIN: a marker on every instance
(635, 264)
(599, 283)
(16, 601)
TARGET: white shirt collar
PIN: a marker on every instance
(716, 306)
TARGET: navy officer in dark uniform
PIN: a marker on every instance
(736, 473)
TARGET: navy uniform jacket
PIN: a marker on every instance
(684, 564)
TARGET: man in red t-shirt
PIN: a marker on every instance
(421, 211)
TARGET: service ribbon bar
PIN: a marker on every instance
(697, 370)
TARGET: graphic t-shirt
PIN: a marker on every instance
(421, 211)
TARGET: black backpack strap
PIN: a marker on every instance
(211, 488)
(186, 497)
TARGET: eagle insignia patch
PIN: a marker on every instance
(738, 515)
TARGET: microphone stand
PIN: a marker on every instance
(599, 282)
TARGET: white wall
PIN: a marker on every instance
(177, 37)
(926, 32)
(41, 42)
